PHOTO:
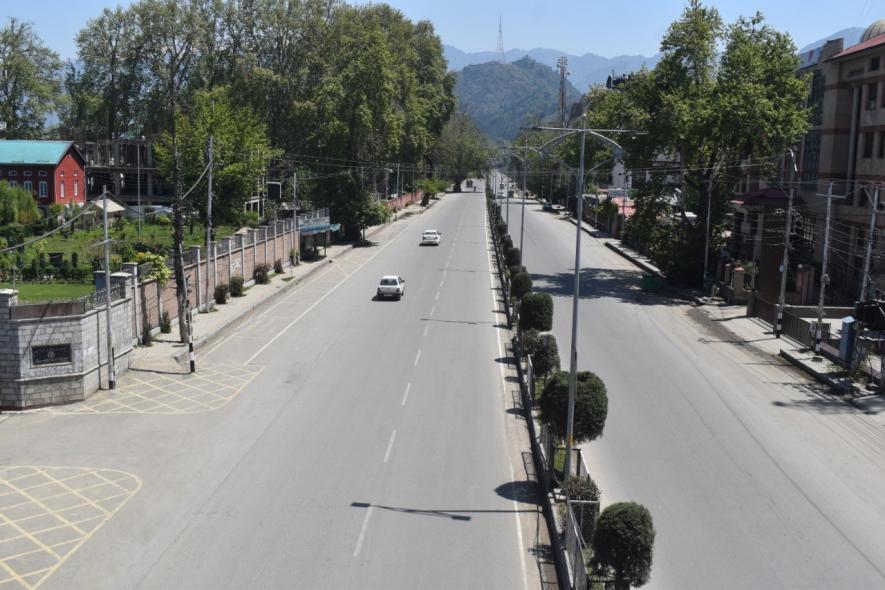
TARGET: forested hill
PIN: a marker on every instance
(501, 97)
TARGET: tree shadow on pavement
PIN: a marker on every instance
(602, 283)
(821, 398)
(520, 491)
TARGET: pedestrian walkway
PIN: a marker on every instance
(758, 334)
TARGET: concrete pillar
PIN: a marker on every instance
(8, 298)
(198, 277)
(253, 239)
(132, 269)
(263, 231)
(241, 244)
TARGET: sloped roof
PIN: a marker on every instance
(21, 151)
(863, 46)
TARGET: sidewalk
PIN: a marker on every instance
(758, 334)
(168, 354)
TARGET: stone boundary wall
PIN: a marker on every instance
(60, 356)
(234, 256)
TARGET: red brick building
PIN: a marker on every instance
(53, 171)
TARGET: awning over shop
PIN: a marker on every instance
(319, 229)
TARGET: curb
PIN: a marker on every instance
(825, 378)
(179, 357)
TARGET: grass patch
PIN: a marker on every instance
(50, 291)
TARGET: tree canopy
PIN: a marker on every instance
(722, 97)
(462, 149)
(591, 405)
(29, 85)
(623, 543)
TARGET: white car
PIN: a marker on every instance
(391, 286)
(430, 237)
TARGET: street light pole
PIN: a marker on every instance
(209, 257)
(818, 336)
(109, 333)
(866, 266)
(525, 166)
(573, 357)
(785, 265)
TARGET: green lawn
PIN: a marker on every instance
(87, 242)
(49, 291)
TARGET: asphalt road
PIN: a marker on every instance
(370, 448)
(754, 479)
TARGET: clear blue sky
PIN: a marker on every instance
(574, 26)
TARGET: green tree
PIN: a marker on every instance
(105, 95)
(720, 96)
(241, 153)
(546, 357)
(30, 88)
(462, 149)
(520, 284)
(536, 312)
(623, 544)
(591, 405)
(17, 205)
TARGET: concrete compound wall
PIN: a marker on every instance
(234, 256)
(24, 331)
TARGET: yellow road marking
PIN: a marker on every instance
(29, 557)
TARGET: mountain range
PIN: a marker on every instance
(585, 70)
(500, 97)
(590, 68)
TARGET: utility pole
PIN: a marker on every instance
(573, 358)
(209, 256)
(112, 380)
(866, 265)
(525, 167)
(562, 64)
(824, 279)
(785, 265)
(138, 183)
(295, 236)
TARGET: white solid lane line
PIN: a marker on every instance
(417, 357)
(390, 447)
(406, 394)
(365, 527)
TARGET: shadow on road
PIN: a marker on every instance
(601, 283)
(520, 491)
(820, 398)
(451, 513)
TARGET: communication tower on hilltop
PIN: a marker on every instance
(562, 64)
(500, 48)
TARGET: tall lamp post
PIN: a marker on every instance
(785, 265)
(579, 205)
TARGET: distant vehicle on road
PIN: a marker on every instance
(430, 237)
(548, 206)
(391, 286)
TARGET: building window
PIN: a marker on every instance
(43, 188)
(872, 96)
(41, 173)
(61, 190)
(13, 183)
(29, 186)
(27, 173)
(811, 157)
(868, 145)
(816, 97)
(882, 145)
(76, 188)
(13, 173)
(62, 173)
(874, 64)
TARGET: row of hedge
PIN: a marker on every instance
(622, 538)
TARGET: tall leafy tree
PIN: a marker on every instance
(241, 154)
(461, 150)
(30, 83)
(720, 96)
